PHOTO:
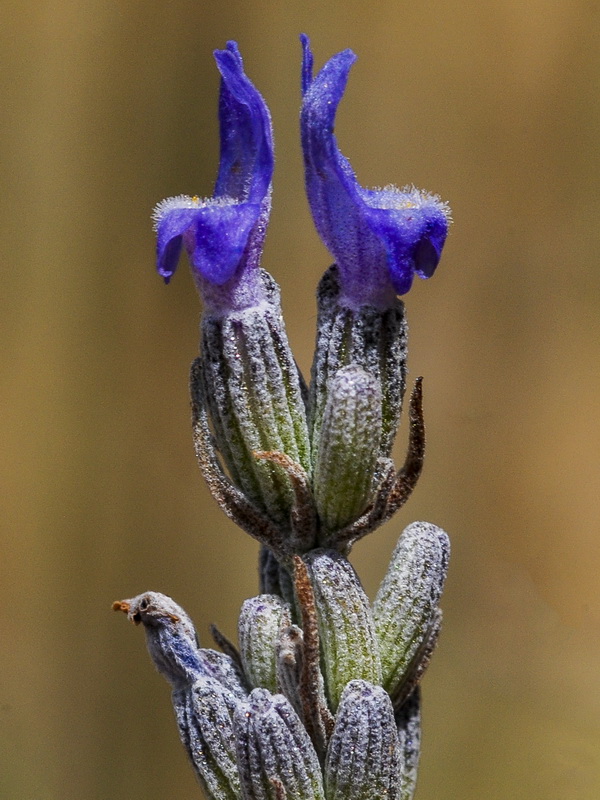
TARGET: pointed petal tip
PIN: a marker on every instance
(307, 63)
(231, 48)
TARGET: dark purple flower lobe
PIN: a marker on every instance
(379, 237)
(223, 235)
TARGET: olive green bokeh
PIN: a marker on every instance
(107, 107)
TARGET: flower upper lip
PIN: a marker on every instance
(246, 158)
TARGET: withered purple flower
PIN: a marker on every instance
(380, 238)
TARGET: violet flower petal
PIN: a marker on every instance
(379, 237)
(224, 234)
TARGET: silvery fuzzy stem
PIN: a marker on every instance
(405, 609)
(367, 337)
(273, 577)
(349, 648)
(260, 624)
(268, 572)
(275, 756)
(204, 715)
(408, 721)
(348, 449)
(255, 399)
(364, 753)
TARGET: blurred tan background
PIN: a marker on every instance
(109, 106)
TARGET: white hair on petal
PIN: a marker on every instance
(186, 201)
(391, 197)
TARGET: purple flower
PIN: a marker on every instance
(379, 237)
(223, 234)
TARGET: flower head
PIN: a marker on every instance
(223, 234)
(322, 698)
(379, 237)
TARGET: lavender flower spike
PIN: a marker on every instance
(379, 237)
(223, 235)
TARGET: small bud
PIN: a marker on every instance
(348, 448)
(363, 754)
(274, 751)
(261, 621)
(405, 608)
(205, 718)
(363, 335)
(346, 629)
